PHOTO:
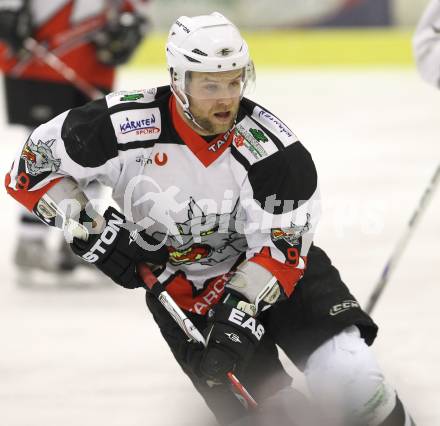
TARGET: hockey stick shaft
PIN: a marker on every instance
(190, 330)
(403, 242)
(68, 73)
(73, 229)
(62, 68)
(82, 31)
(155, 287)
(71, 40)
(72, 37)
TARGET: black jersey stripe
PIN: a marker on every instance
(146, 144)
(136, 145)
(240, 157)
(88, 134)
(288, 175)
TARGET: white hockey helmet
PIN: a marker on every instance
(206, 43)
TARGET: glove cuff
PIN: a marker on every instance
(237, 319)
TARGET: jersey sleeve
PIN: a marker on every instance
(79, 143)
(426, 44)
(279, 198)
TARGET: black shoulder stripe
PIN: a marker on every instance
(246, 108)
(128, 106)
(136, 145)
(240, 158)
(288, 175)
(147, 144)
(88, 135)
(163, 91)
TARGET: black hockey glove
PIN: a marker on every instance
(116, 43)
(15, 25)
(119, 248)
(232, 337)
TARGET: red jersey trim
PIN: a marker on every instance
(287, 275)
(206, 152)
(183, 292)
(28, 198)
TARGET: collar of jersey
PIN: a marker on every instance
(206, 152)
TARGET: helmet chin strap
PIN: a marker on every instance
(191, 118)
(185, 106)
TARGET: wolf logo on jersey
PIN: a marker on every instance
(39, 158)
(290, 235)
(207, 239)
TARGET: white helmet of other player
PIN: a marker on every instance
(207, 43)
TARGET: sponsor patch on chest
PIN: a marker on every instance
(252, 142)
(137, 125)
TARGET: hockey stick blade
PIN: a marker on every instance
(241, 393)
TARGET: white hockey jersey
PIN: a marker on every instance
(250, 193)
(427, 44)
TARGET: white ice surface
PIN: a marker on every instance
(96, 358)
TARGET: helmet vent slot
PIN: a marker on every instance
(191, 59)
(199, 52)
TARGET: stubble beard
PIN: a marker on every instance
(213, 128)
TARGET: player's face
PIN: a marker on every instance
(214, 99)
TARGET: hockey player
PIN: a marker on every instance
(92, 38)
(427, 44)
(221, 199)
